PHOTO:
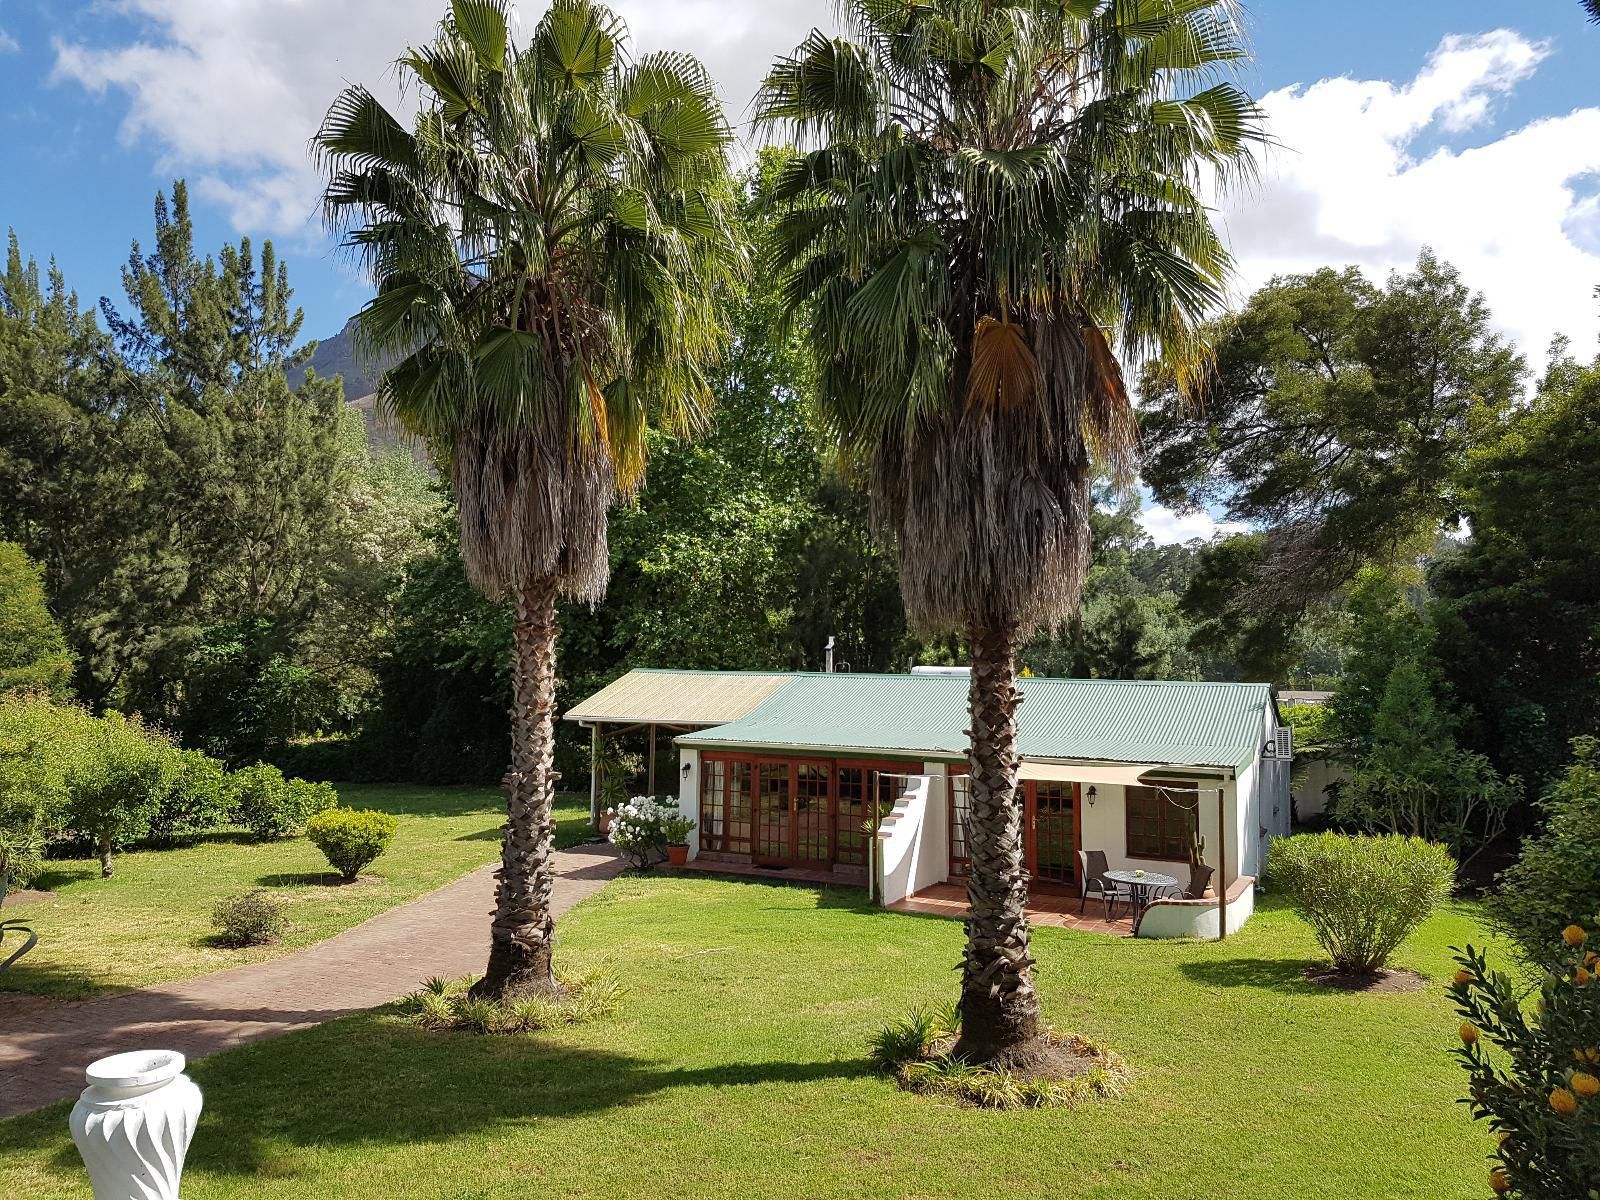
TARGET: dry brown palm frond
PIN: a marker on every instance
(1004, 372)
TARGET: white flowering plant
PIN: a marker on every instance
(643, 828)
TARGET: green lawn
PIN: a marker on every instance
(152, 920)
(735, 1068)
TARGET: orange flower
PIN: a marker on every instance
(1499, 1181)
(1463, 977)
(1590, 1056)
(1585, 1084)
(1581, 977)
(1573, 935)
(1564, 1102)
(1469, 1032)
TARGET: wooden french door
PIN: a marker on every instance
(1050, 830)
(1051, 838)
(791, 812)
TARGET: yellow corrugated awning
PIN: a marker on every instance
(644, 697)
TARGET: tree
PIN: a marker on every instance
(1518, 613)
(992, 200)
(549, 241)
(1557, 875)
(1337, 420)
(33, 653)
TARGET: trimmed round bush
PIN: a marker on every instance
(270, 806)
(1361, 895)
(252, 919)
(350, 838)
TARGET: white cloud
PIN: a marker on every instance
(232, 90)
(8, 44)
(1369, 170)
(1357, 183)
(1166, 526)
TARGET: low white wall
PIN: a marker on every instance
(905, 839)
(689, 794)
(1190, 920)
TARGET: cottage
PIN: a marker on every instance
(780, 770)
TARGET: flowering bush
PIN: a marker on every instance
(1541, 1092)
(644, 827)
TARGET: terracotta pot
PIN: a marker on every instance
(605, 824)
(677, 855)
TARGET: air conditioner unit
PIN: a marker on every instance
(1282, 743)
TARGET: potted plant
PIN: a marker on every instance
(1197, 858)
(644, 828)
(677, 828)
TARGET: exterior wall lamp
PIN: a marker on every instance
(687, 767)
(1092, 793)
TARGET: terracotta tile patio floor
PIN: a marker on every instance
(1059, 912)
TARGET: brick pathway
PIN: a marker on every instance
(44, 1044)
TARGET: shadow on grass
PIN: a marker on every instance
(374, 1080)
(1267, 974)
(331, 879)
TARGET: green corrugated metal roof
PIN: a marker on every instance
(1097, 720)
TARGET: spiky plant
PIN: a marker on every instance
(994, 200)
(548, 238)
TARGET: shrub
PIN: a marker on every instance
(1362, 895)
(445, 1004)
(350, 838)
(251, 919)
(116, 784)
(1559, 870)
(1540, 1093)
(639, 829)
(199, 801)
(270, 806)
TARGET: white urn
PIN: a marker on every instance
(132, 1124)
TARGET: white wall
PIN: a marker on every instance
(689, 794)
(1105, 827)
(1195, 920)
(906, 839)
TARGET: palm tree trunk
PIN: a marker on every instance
(999, 1008)
(523, 931)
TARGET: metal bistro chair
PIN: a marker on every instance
(1095, 867)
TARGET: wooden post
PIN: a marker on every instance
(1222, 861)
(650, 773)
(594, 775)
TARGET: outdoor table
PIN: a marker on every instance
(1142, 887)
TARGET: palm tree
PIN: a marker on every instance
(993, 200)
(1592, 7)
(548, 240)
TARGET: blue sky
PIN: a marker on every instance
(1469, 125)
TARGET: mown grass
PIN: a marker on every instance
(151, 921)
(738, 1066)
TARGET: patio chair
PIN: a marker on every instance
(1094, 878)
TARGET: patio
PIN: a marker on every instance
(1057, 911)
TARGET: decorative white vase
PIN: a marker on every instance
(132, 1124)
